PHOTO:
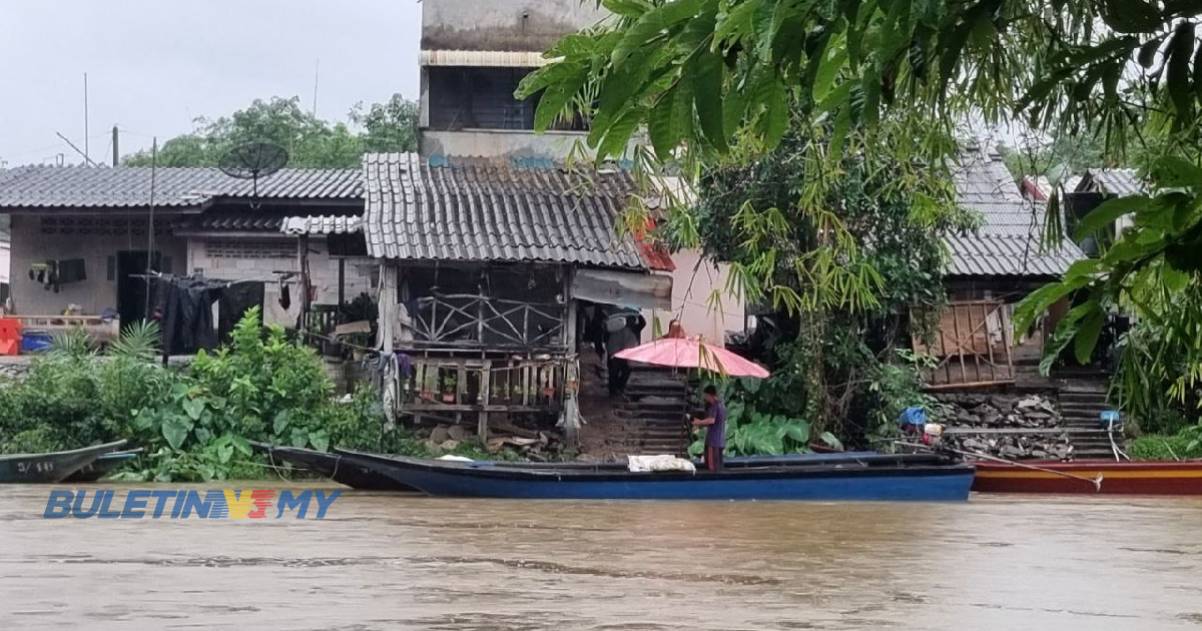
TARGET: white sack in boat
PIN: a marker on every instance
(454, 458)
(662, 462)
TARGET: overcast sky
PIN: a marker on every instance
(155, 65)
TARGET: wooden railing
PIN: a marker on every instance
(448, 388)
(467, 320)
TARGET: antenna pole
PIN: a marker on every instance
(154, 165)
(86, 153)
(316, 76)
(116, 153)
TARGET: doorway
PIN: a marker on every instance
(132, 289)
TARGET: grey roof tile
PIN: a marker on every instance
(51, 187)
(1119, 182)
(1008, 240)
(479, 209)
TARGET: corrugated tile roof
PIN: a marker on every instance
(1008, 240)
(1119, 182)
(50, 187)
(321, 224)
(1006, 256)
(477, 209)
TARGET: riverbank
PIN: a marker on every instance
(382, 561)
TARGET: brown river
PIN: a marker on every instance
(380, 561)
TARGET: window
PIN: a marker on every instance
(481, 98)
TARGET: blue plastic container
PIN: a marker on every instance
(35, 341)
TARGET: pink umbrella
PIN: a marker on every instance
(692, 353)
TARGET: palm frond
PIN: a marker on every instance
(139, 340)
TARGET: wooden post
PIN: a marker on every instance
(303, 256)
(341, 283)
(485, 392)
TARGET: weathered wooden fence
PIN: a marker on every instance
(971, 345)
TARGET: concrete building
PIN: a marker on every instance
(82, 237)
(473, 56)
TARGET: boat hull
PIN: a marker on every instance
(102, 466)
(817, 483)
(49, 468)
(332, 466)
(1118, 478)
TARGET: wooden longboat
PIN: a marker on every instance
(1119, 478)
(945, 480)
(52, 467)
(104, 465)
(332, 466)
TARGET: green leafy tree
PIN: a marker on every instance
(388, 126)
(708, 77)
(310, 141)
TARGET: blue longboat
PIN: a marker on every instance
(855, 477)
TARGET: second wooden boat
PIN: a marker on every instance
(50, 467)
(330, 465)
(1086, 476)
(103, 465)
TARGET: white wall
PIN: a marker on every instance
(692, 286)
(503, 24)
(4, 248)
(211, 256)
(30, 244)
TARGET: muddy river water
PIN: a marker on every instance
(395, 562)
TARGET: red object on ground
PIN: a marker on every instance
(691, 353)
(10, 336)
(1124, 478)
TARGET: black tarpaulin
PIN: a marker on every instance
(234, 302)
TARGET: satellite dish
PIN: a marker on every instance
(253, 160)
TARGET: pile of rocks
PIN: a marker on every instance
(1014, 446)
(996, 411)
(1015, 427)
(13, 371)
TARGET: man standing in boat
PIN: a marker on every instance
(714, 423)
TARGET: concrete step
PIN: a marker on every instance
(1082, 395)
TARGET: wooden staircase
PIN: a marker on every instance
(1081, 406)
(655, 409)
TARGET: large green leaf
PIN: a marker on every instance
(554, 100)
(799, 431)
(659, 127)
(831, 440)
(1174, 171)
(628, 8)
(320, 439)
(1177, 76)
(1104, 215)
(280, 422)
(1087, 335)
(738, 21)
(833, 59)
(707, 72)
(653, 24)
(175, 429)
(614, 143)
(194, 408)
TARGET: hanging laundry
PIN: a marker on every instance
(186, 308)
(235, 301)
(72, 271)
(285, 296)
